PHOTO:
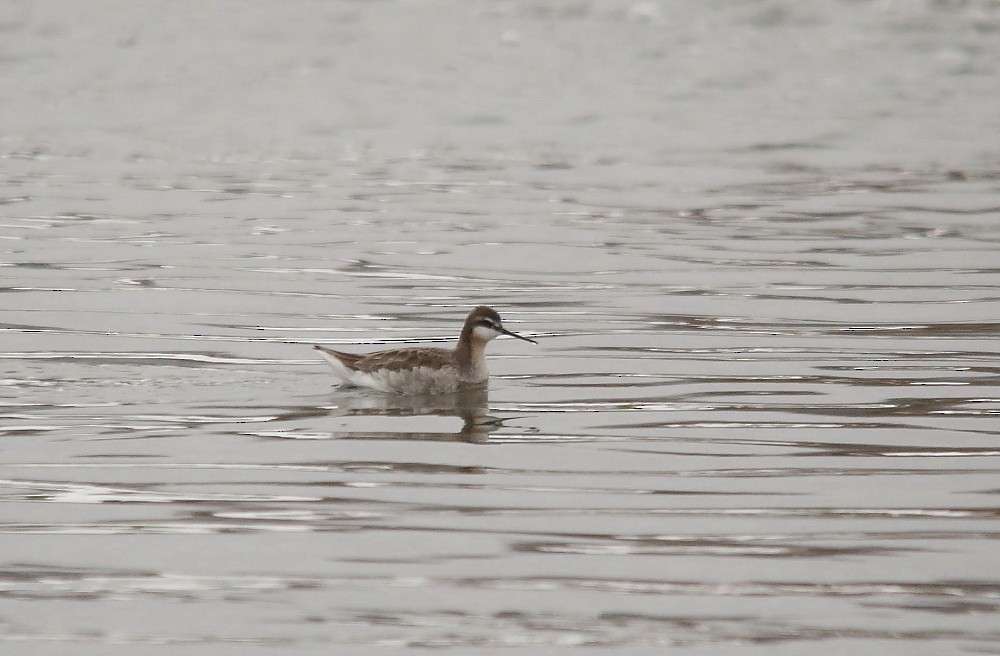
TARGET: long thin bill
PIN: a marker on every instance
(512, 334)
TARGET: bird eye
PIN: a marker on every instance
(486, 323)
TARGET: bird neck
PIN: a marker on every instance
(471, 351)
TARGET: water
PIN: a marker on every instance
(757, 243)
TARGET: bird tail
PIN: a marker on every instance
(337, 362)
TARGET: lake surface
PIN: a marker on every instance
(758, 243)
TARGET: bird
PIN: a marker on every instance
(419, 370)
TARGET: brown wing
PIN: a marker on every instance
(401, 359)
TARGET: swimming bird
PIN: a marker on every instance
(425, 370)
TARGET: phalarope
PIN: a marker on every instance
(425, 370)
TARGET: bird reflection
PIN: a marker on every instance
(471, 405)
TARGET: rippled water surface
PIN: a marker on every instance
(757, 243)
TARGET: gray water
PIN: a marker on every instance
(757, 242)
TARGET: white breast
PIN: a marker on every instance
(421, 380)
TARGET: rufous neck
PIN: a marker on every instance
(470, 351)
